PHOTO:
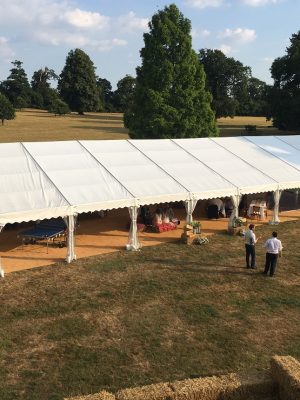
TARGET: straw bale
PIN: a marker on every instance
(210, 388)
(103, 395)
(252, 386)
(160, 391)
(285, 371)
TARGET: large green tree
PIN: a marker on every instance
(106, 94)
(7, 110)
(16, 87)
(226, 80)
(123, 96)
(42, 94)
(77, 84)
(170, 99)
(285, 94)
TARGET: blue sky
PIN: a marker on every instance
(41, 32)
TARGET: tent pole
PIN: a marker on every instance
(236, 199)
(133, 241)
(1, 268)
(70, 240)
(190, 206)
(275, 218)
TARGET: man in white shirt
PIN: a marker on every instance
(274, 249)
(250, 241)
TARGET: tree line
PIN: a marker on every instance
(176, 92)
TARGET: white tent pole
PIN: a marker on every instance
(133, 241)
(1, 268)
(275, 218)
(236, 199)
(190, 206)
(70, 240)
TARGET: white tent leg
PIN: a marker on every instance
(190, 206)
(236, 199)
(70, 240)
(275, 218)
(133, 240)
(1, 267)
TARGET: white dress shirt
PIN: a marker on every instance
(250, 237)
(273, 245)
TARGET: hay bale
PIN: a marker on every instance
(103, 395)
(285, 371)
(160, 391)
(211, 388)
(252, 386)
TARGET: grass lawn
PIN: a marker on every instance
(164, 313)
(37, 125)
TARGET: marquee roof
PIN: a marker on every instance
(48, 179)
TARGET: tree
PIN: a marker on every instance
(285, 93)
(256, 101)
(7, 110)
(16, 87)
(106, 94)
(58, 107)
(226, 80)
(125, 93)
(170, 99)
(42, 93)
(77, 83)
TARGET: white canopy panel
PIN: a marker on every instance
(292, 140)
(196, 177)
(240, 173)
(279, 148)
(86, 184)
(287, 176)
(25, 191)
(141, 177)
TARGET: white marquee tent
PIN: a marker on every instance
(42, 180)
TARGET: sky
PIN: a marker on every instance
(41, 32)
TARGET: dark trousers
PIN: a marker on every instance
(271, 262)
(250, 254)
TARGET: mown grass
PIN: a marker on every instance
(38, 125)
(161, 314)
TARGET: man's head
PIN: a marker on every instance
(251, 227)
(274, 234)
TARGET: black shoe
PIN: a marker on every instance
(247, 267)
(264, 273)
(253, 267)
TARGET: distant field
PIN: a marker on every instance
(38, 125)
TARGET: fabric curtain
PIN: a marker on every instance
(133, 240)
(275, 218)
(70, 222)
(190, 206)
(236, 199)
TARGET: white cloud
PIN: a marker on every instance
(200, 33)
(130, 22)
(85, 19)
(227, 50)
(258, 3)
(240, 35)
(204, 3)
(6, 52)
(55, 23)
(268, 60)
(77, 40)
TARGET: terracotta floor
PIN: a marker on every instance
(98, 236)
